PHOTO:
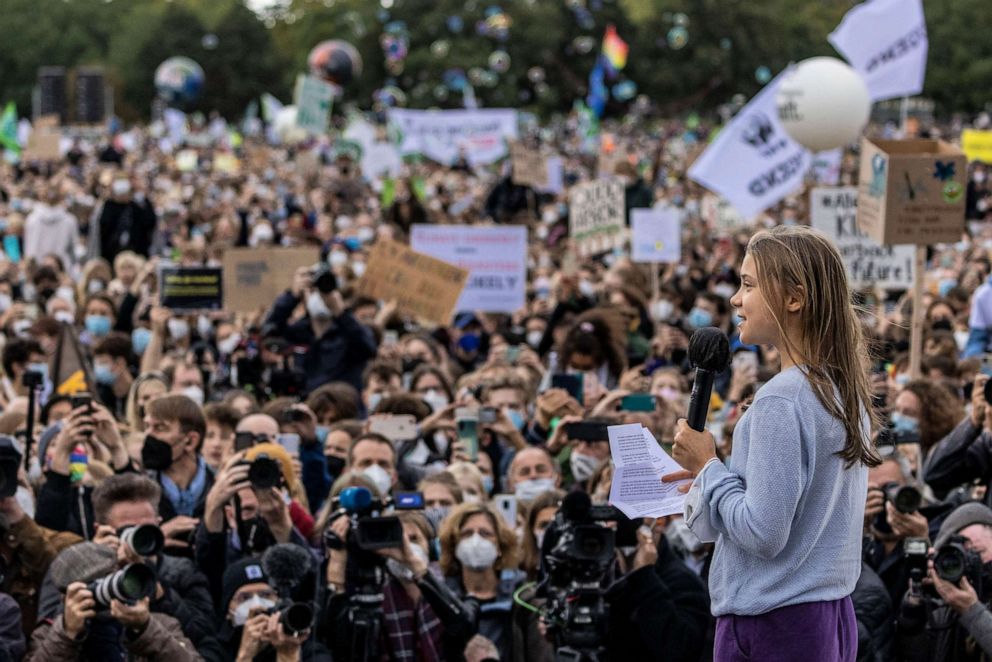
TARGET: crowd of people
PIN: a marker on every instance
(235, 486)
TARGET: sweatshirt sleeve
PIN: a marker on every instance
(756, 511)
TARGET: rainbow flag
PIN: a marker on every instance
(615, 49)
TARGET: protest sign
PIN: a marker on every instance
(912, 191)
(442, 135)
(656, 235)
(495, 257)
(191, 288)
(556, 175)
(833, 211)
(43, 145)
(977, 145)
(254, 277)
(886, 42)
(420, 284)
(529, 166)
(596, 216)
(313, 99)
(381, 160)
(753, 162)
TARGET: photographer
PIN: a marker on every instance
(252, 629)
(965, 454)
(101, 627)
(338, 347)
(958, 625)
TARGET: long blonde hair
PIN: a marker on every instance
(799, 261)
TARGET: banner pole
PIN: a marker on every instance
(919, 314)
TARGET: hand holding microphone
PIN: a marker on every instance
(709, 351)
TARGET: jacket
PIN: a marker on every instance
(962, 456)
(12, 643)
(659, 612)
(168, 511)
(121, 227)
(162, 640)
(338, 355)
(873, 611)
(63, 506)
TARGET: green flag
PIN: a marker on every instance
(8, 128)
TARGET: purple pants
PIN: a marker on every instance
(820, 631)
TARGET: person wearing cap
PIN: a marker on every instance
(251, 628)
(86, 631)
(961, 620)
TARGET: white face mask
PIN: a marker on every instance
(337, 258)
(194, 393)
(365, 234)
(662, 310)
(436, 400)
(587, 289)
(66, 293)
(476, 552)
(204, 326)
(245, 608)
(725, 290)
(533, 488)
(64, 316)
(261, 234)
(178, 328)
(316, 306)
(120, 187)
(583, 466)
(358, 268)
(229, 344)
(380, 478)
(534, 338)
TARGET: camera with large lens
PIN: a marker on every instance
(904, 498)
(144, 539)
(323, 278)
(129, 584)
(954, 560)
(264, 472)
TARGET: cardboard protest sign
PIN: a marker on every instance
(977, 145)
(529, 167)
(596, 216)
(420, 284)
(911, 191)
(191, 288)
(254, 277)
(313, 98)
(43, 145)
(833, 211)
(656, 235)
(495, 257)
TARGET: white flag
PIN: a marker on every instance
(753, 163)
(886, 42)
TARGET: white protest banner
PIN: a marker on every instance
(381, 160)
(313, 101)
(886, 42)
(656, 235)
(833, 211)
(495, 258)
(596, 216)
(441, 135)
(753, 163)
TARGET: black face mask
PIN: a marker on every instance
(942, 325)
(335, 465)
(411, 364)
(156, 454)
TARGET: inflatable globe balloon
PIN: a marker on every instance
(285, 126)
(179, 80)
(823, 104)
(335, 61)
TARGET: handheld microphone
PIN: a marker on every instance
(709, 352)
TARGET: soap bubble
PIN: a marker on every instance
(499, 61)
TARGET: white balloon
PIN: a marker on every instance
(285, 126)
(823, 104)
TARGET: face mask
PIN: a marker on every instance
(487, 484)
(699, 318)
(662, 310)
(240, 616)
(380, 478)
(358, 268)
(435, 515)
(436, 400)
(337, 258)
(261, 235)
(374, 400)
(905, 424)
(104, 374)
(476, 552)
(587, 289)
(942, 325)
(66, 294)
(194, 393)
(961, 339)
(178, 328)
(204, 327)
(410, 364)
(140, 338)
(669, 394)
(365, 234)
(96, 285)
(946, 286)
(97, 325)
(335, 464)
(120, 187)
(156, 455)
(534, 338)
(531, 489)
(322, 432)
(229, 344)
(64, 316)
(516, 418)
(21, 328)
(902, 379)
(583, 466)
(39, 367)
(539, 538)
(979, 176)
(316, 306)
(5, 302)
(25, 499)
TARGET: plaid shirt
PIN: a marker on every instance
(412, 632)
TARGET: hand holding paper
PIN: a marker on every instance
(637, 489)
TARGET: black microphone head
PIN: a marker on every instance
(575, 507)
(709, 349)
(286, 565)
